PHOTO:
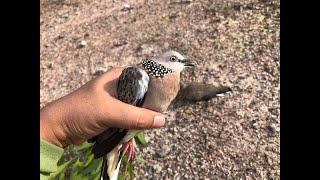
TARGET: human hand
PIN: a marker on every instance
(90, 110)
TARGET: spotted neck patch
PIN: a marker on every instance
(155, 69)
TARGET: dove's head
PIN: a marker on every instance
(174, 61)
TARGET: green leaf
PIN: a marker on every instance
(126, 170)
(89, 168)
(62, 175)
(120, 177)
(61, 170)
(94, 167)
(130, 169)
(123, 168)
(86, 162)
(141, 139)
(84, 146)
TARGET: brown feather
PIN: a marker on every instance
(162, 91)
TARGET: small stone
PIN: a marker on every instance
(150, 169)
(82, 44)
(126, 7)
(163, 151)
(177, 176)
(65, 16)
(59, 37)
(98, 73)
(50, 66)
(181, 1)
(157, 168)
(120, 42)
(255, 125)
(166, 45)
(272, 128)
(210, 146)
(174, 15)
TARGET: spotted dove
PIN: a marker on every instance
(153, 84)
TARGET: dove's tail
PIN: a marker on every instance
(104, 169)
(111, 165)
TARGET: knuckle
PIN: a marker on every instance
(141, 121)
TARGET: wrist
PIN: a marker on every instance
(49, 128)
(46, 136)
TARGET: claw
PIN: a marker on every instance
(125, 148)
(130, 150)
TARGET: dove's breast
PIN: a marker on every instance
(162, 91)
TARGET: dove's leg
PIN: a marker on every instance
(130, 150)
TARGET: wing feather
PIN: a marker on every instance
(132, 87)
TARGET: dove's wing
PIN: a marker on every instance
(132, 88)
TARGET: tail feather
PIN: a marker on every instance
(104, 167)
(194, 92)
(107, 141)
(111, 164)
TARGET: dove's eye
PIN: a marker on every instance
(173, 58)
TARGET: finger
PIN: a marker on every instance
(111, 74)
(131, 117)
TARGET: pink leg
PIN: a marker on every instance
(130, 150)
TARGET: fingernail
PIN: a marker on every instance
(158, 121)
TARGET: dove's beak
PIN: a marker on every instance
(188, 62)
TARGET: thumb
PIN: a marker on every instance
(131, 117)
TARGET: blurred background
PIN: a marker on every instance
(235, 42)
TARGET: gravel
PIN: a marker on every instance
(82, 44)
(236, 44)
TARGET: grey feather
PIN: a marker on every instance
(132, 87)
(195, 92)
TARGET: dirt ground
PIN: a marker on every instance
(235, 42)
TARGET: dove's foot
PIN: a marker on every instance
(130, 150)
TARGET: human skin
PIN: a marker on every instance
(90, 110)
